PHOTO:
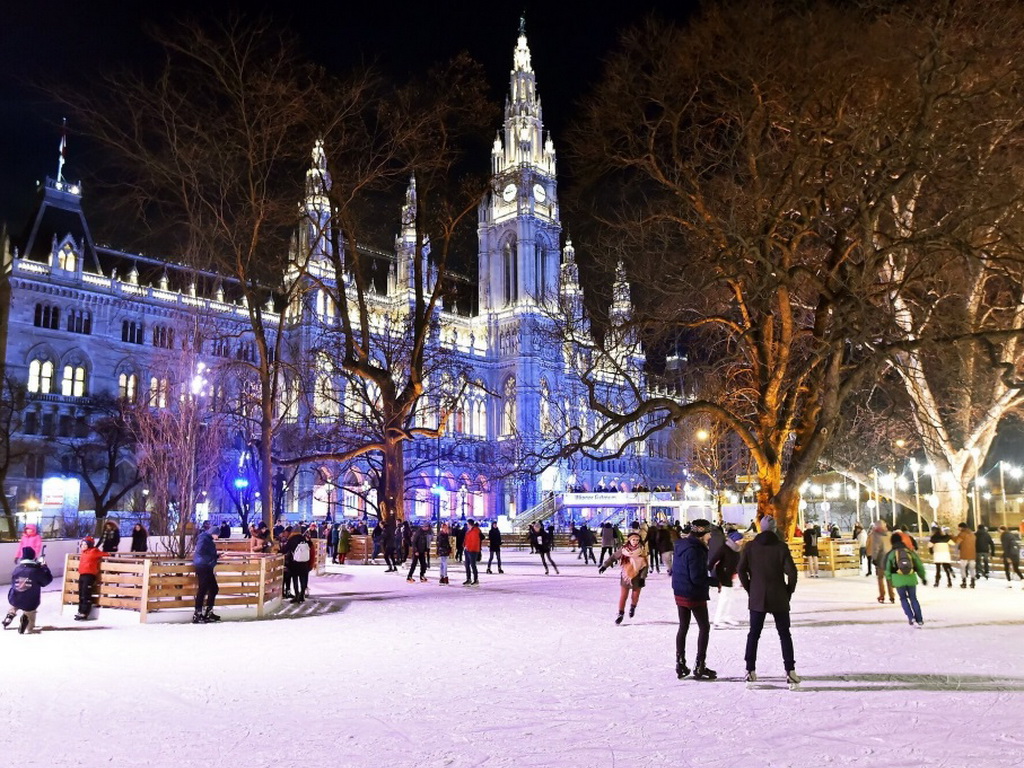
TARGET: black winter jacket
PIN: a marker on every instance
(27, 584)
(690, 577)
(767, 572)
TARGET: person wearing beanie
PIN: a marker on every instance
(88, 572)
(204, 561)
(472, 546)
(938, 544)
(811, 536)
(691, 584)
(1010, 543)
(29, 538)
(903, 567)
(27, 582)
(633, 569)
(723, 566)
(768, 574)
(967, 547)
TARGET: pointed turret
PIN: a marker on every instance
(317, 206)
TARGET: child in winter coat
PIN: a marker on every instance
(29, 538)
(88, 572)
(905, 578)
(25, 594)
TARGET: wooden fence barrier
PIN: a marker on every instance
(153, 583)
(834, 555)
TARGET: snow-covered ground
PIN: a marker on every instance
(524, 670)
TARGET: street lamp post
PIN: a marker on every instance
(915, 470)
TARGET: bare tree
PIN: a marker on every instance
(212, 151)
(380, 350)
(788, 173)
(12, 405)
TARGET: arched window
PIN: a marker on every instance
(510, 271)
(541, 272)
(46, 316)
(79, 321)
(67, 259)
(508, 410)
(132, 332)
(128, 387)
(73, 381)
(40, 376)
(159, 391)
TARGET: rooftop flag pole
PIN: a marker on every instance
(63, 148)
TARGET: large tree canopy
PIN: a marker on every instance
(789, 184)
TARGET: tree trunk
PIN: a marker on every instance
(391, 492)
(949, 485)
(267, 461)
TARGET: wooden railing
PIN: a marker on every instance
(151, 583)
(833, 554)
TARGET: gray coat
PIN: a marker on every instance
(767, 572)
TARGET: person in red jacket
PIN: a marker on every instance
(88, 571)
(472, 548)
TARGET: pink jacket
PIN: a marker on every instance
(30, 538)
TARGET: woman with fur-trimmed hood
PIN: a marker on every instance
(632, 560)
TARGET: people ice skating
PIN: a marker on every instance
(986, 549)
(1011, 552)
(902, 569)
(29, 538)
(938, 544)
(204, 560)
(691, 585)
(110, 537)
(444, 551)
(420, 543)
(494, 545)
(140, 539)
(344, 544)
(879, 544)
(587, 542)
(459, 531)
(768, 574)
(723, 566)
(27, 582)
(89, 559)
(539, 543)
(861, 537)
(471, 544)
(225, 530)
(607, 543)
(298, 552)
(966, 545)
(633, 568)
(811, 536)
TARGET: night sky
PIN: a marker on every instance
(69, 43)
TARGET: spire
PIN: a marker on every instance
(622, 307)
(62, 149)
(318, 206)
(523, 141)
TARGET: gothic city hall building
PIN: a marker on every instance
(87, 326)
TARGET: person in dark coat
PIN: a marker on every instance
(811, 536)
(298, 555)
(1011, 552)
(444, 551)
(389, 539)
(691, 584)
(768, 574)
(140, 539)
(418, 549)
(459, 532)
(204, 561)
(27, 582)
(110, 537)
(494, 545)
(587, 542)
(225, 530)
(986, 550)
(539, 542)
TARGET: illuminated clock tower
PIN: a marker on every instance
(519, 226)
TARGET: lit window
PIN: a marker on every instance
(128, 385)
(73, 382)
(40, 377)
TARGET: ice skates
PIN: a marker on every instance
(618, 619)
(792, 679)
(701, 672)
(7, 620)
(681, 669)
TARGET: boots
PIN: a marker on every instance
(209, 617)
(198, 618)
(632, 610)
(972, 583)
(618, 619)
(963, 584)
(701, 672)
(7, 620)
(681, 669)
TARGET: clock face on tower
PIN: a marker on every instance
(509, 193)
(539, 194)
